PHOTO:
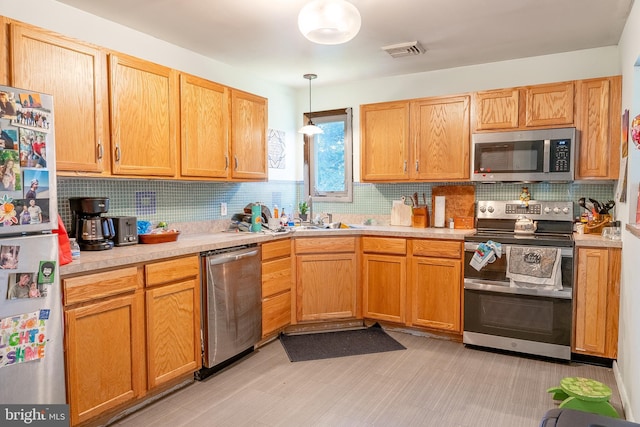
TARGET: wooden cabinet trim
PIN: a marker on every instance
(173, 270)
(384, 245)
(100, 285)
(437, 248)
(322, 245)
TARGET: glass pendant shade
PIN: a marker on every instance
(329, 21)
(310, 129)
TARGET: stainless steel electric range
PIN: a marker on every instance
(521, 301)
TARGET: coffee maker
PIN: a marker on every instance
(92, 231)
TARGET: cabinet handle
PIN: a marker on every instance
(100, 150)
(417, 166)
(235, 158)
(405, 165)
(117, 153)
(226, 162)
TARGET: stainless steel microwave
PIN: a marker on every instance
(524, 156)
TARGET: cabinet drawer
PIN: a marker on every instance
(276, 312)
(276, 276)
(312, 245)
(171, 271)
(437, 248)
(276, 249)
(384, 245)
(100, 285)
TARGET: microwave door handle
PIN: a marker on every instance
(547, 156)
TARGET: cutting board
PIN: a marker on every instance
(400, 213)
(460, 200)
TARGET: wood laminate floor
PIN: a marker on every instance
(433, 383)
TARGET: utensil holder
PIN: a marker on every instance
(420, 218)
(595, 226)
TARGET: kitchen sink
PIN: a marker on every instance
(330, 226)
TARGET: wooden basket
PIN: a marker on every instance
(169, 236)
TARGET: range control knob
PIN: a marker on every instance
(547, 209)
(556, 210)
(482, 209)
(490, 209)
(565, 210)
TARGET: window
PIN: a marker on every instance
(328, 175)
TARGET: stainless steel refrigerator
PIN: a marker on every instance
(31, 316)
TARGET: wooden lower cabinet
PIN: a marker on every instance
(111, 362)
(436, 284)
(597, 302)
(384, 278)
(326, 278)
(277, 278)
(172, 299)
(104, 343)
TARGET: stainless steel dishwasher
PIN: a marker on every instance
(231, 305)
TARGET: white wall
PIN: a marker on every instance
(629, 339)
(72, 22)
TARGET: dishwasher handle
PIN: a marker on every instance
(223, 258)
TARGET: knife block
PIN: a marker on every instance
(420, 218)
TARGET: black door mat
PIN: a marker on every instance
(326, 345)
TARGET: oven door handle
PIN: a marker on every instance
(479, 285)
(472, 246)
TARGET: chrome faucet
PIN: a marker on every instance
(310, 203)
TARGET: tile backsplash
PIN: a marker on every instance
(181, 201)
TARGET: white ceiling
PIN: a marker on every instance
(263, 36)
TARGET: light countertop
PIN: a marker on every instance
(195, 243)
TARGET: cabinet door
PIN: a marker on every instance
(384, 287)
(597, 302)
(173, 331)
(326, 286)
(276, 312)
(599, 105)
(436, 285)
(497, 109)
(204, 119)
(440, 131)
(384, 135)
(548, 105)
(75, 74)
(144, 112)
(104, 355)
(248, 136)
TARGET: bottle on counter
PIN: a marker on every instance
(275, 211)
(75, 248)
(284, 220)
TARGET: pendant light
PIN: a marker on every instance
(329, 21)
(310, 129)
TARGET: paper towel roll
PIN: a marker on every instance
(438, 212)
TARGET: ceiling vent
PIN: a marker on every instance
(404, 49)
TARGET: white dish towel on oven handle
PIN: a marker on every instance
(534, 267)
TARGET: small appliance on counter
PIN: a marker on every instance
(242, 221)
(92, 231)
(126, 230)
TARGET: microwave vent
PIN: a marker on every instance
(404, 49)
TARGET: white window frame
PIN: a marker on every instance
(309, 161)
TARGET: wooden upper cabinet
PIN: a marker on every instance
(204, 120)
(248, 136)
(599, 103)
(497, 109)
(440, 134)
(549, 105)
(384, 136)
(144, 117)
(524, 107)
(75, 74)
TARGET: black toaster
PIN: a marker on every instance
(126, 228)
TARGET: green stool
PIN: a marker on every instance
(583, 394)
